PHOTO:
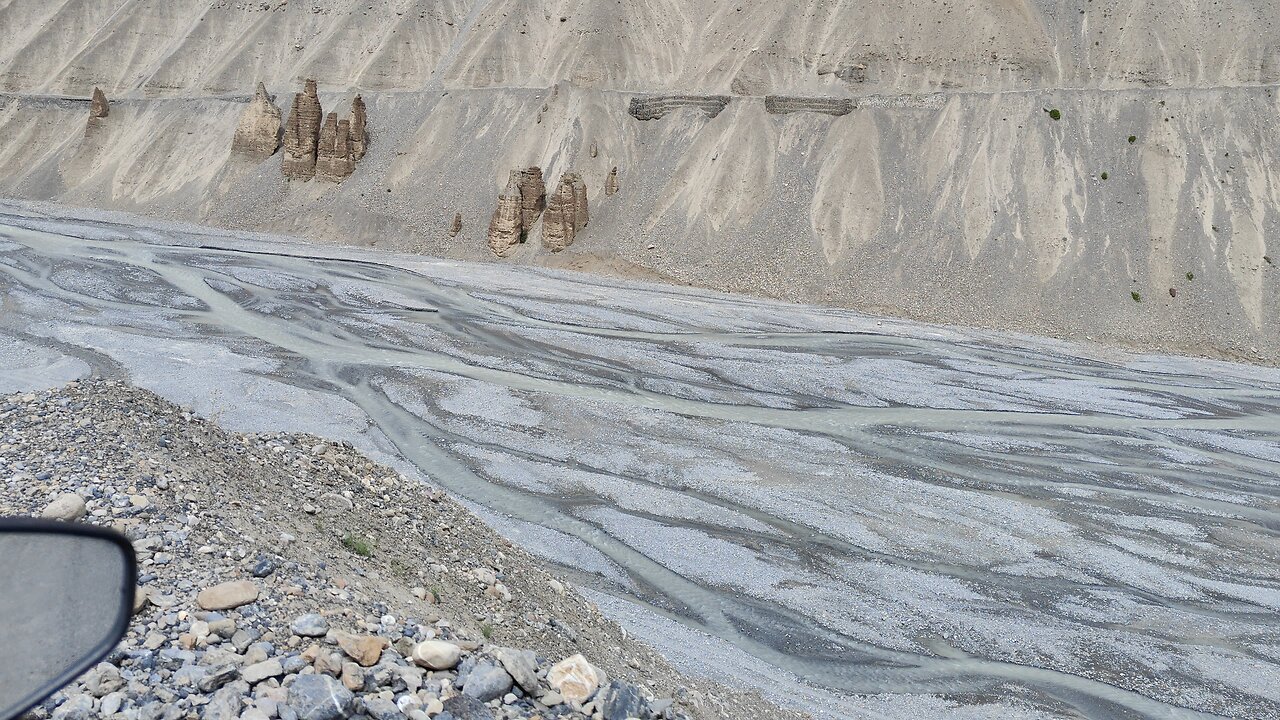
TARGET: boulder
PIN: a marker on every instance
(454, 228)
(436, 654)
(364, 649)
(574, 678)
(522, 665)
(611, 182)
(67, 506)
(486, 682)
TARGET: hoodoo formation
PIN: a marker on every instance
(566, 213)
(258, 132)
(519, 206)
(329, 150)
(505, 229)
(533, 195)
(359, 134)
(302, 134)
(611, 182)
(456, 226)
(99, 107)
(333, 151)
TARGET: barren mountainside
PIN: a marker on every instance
(1093, 169)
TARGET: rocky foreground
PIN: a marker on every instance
(285, 576)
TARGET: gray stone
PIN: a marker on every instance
(319, 697)
(436, 654)
(294, 664)
(380, 708)
(621, 700)
(464, 707)
(522, 665)
(76, 707)
(256, 673)
(216, 677)
(111, 703)
(226, 703)
(242, 639)
(103, 679)
(486, 682)
(310, 625)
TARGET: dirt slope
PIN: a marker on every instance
(947, 193)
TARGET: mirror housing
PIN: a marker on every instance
(66, 599)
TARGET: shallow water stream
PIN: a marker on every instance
(861, 517)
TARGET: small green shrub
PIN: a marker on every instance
(1055, 114)
(1133, 139)
(1105, 176)
(487, 630)
(1191, 275)
(1137, 297)
(357, 545)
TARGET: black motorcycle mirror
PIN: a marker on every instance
(66, 596)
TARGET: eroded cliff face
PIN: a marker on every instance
(259, 130)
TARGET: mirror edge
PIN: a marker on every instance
(125, 615)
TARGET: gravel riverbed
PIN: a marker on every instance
(286, 576)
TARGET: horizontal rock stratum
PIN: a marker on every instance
(946, 192)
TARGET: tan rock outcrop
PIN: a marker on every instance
(99, 108)
(611, 182)
(566, 213)
(258, 132)
(533, 195)
(359, 134)
(302, 134)
(505, 228)
(594, 150)
(456, 226)
(333, 150)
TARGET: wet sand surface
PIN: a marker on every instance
(860, 517)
